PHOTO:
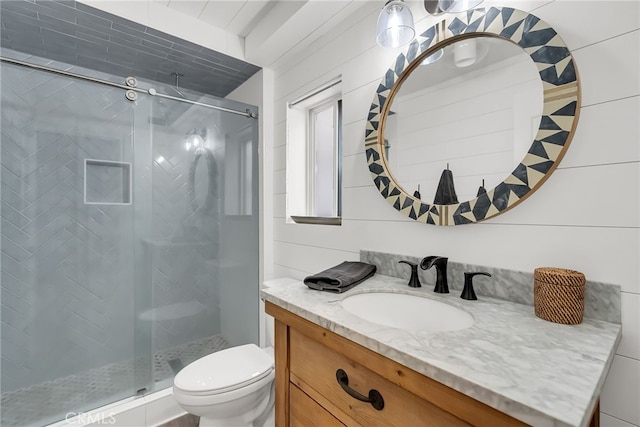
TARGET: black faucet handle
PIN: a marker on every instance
(468, 292)
(414, 281)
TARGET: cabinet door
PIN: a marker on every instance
(313, 368)
(305, 412)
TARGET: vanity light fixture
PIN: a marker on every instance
(395, 25)
(438, 7)
(465, 53)
(468, 52)
(463, 5)
(195, 139)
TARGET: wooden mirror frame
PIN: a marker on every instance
(561, 108)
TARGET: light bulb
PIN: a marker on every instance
(395, 25)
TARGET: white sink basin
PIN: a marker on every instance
(408, 312)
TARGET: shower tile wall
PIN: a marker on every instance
(79, 34)
(205, 265)
(184, 241)
(72, 305)
(49, 236)
(66, 266)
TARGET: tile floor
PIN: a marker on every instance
(48, 402)
(183, 421)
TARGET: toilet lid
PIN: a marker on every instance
(225, 370)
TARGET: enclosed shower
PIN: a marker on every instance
(129, 234)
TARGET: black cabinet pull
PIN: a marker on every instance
(375, 398)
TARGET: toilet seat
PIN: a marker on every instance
(224, 371)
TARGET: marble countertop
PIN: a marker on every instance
(542, 373)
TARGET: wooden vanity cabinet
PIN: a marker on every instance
(308, 393)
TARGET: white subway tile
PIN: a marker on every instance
(609, 421)
(621, 391)
(608, 71)
(310, 259)
(606, 133)
(279, 206)
(630, 344)
(591, 27)
(567, 198)
(576, 220)
(279, 180)
(279, 157)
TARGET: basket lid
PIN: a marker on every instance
(559, 276)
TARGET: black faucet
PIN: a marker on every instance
(442, 286)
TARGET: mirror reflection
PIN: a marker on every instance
(463, 120)
(201, 187)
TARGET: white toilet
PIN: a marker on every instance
(230, 388)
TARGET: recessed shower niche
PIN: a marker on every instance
(107, 182)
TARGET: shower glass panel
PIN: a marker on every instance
(204, 258)
(129, 240)
(67, 241)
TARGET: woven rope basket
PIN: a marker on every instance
(558, 295)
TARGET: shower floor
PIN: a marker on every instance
(50, 401)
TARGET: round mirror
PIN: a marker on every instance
(201, 187)
(202, 175)
(474, 110)
(488, 95)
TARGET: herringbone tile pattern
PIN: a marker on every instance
(184, 242)
(67, 288)
(66, 266)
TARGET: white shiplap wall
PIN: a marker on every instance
(585, 217)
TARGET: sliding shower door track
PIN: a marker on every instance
(150, 91)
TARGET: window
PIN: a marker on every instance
(314, 156)
(238, 181)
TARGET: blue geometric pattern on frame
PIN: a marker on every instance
(560, 112)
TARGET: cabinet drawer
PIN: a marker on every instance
(305, 412)
(313, 369)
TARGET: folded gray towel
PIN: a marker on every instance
(341, 278)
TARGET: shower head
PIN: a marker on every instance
(177, 87)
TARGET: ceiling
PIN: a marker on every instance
(273, 30)
(77, 34)
(236, 16)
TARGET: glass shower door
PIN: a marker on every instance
(67, 242)
(203, 242)
(129, 241)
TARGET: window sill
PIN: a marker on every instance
(320, 220)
